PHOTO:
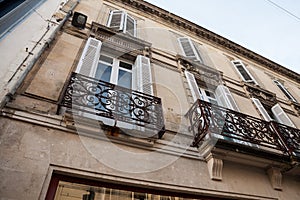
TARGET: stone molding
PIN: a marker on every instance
(204, 75)
(215, 167)
(275, 177)
(118, 41)
(263, 95)
(157, 13)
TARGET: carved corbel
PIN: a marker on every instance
(275, 177)
(215, 167)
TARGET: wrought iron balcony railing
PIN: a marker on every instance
(240, 128)
(99, 98)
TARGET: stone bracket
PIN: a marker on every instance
(275, 177)
(215, 167)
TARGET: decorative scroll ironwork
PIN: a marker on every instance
(240, 128)
(96, 97)
(291, 137)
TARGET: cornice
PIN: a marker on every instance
(155, 12)
(119, 41)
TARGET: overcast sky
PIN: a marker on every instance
(258, 25)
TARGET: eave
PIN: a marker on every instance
(155, 12)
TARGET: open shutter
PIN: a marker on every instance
(243, 72)
(89, 59)
(130, 26)
(142, 78)
(188, 48)
(261, 109)
(281, 116)
(285, 91)
(116, 19)
(225, 98)
(193, 85)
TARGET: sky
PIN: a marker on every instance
(258, 25)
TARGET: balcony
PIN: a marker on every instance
(243, 131)
(91, 97)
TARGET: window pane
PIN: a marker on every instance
(125, 65)
(106, 59)
(124, 79)
(244, 73)
(103, 72)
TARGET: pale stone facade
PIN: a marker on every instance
(48, 152)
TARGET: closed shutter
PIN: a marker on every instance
(193, 85)
(281, 116)
(89, 59)
(261, 109)
(130, 26)
(116, 19)
(243, 72)
(225, 98)
(142, 78)
(188, 48)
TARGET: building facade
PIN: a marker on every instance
(120, 99)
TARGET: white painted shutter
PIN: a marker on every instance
(225, 98)
(188, 48)
(130, 25)
(116, 19)
(281, 116)
(141, 73)
(261, 109)
(89, 58)
(193, 85)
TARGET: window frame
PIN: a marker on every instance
(285, 91)
(123, 22)
(240, 63)
(115, 68)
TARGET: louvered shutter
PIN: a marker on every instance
(281, 116)
(116, 19)
(261, 109)
(130, 26)
(225, 98)
(142, 78)
(193, 85)
(89, 59)
(188, 48)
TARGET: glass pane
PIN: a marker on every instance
(124, 79)
(125, 65)
(103, 72)
(106, 59)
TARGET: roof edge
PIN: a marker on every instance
(199, 31)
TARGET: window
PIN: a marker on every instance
(130, 74)
(243, 72)
(96, 63)
(12, 12)
(114, 70)
(285, 91)
(121, 21)
(189, 49)
(221, 96)
(274, 113)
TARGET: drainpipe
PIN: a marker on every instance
(25, 67)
